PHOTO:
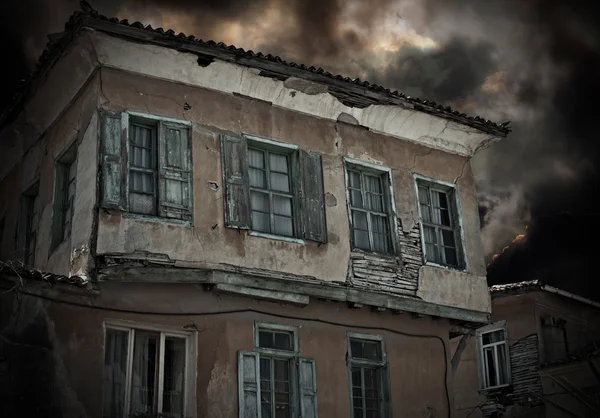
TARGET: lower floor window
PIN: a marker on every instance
(275, 387)
(145, 373)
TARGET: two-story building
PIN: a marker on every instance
(538, 358)
(223, 233)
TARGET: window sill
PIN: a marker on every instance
(495, 389)
(450, 268)
(277, 237)
(156, 219)
(382, 256)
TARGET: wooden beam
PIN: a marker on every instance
(462, 344)
(284, 297)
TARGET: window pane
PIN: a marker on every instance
(261, 222)
(442, 199)
(143, 382)
(356, 198)
(429, 235)
(282, 205)
(142, 203)
(502, 364)
(275, 339)
(173, 383)
(365, 349)
(451, 257)
(493, 337)
(283, 341)
(256, 158)
(281, 374)
(280, 182)
(425, 213)
(490, 366)
(278, 163)
(115, 369)
(445, 217)
(448, 238)
(257, 178)
(372, 184)
(361, 240)
(354, 179)
(141, 182)
(380, 224)
(259, 201)
(359, 220)
(423, 196)
(283, 226)
(381, 243)
(375, 202)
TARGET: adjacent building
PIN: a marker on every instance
(538, 357)
(203, 231)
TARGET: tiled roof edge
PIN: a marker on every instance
(80, 19)
(19, 270)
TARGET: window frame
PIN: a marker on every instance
(497, 326)
(62, 168)
(291, 151)
(385, 173)
(382, 366)
(190, 367)
(452, 193)
(292, 356)
(30, 214)
(156, 121)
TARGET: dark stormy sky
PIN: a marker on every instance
(534, 62)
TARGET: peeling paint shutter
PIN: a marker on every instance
(312, 197)
(175, 172)
(387, 391)
(249, 384)
(234, 152)
(308, 388)
(112, 160)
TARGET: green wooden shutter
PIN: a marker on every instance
(234, 157)
(312, 197)
(308, 388)
(387, 391)
(249, 384)
(112, 142)
(175, 171)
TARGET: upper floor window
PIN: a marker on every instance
(369, 376)
(273, 188)
(439, 216)
(370, 207)
(274, 382)
(152, 173)
(28, 225)
(493, 356)
(554, 338)
(148, 370)
(64, 195)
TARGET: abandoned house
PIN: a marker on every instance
(538, 358)
(204, 231)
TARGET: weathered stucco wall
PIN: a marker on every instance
(75, 124)
(418, 364)
(213, 113)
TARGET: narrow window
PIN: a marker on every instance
(439, 220)
(369, 381)
(143, 155)
(271, 196)
(64, 196)
(370, 209)
(493, 357)
(155, 382)
(554, 338)
(28, 225)
(274, 382)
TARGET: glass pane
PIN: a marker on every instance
(265, 373)
(145, 370)
(361, 240)
(256, 158)
(372, 184)
(261, 222)
(425, 213)
(259, 201)
(490, 367)
(381, 243)
(380, 224)
(445, 217)
(283, 226)
(493, 337)
(356, 198)
(283, 341)
(423, 196)
(282, 205)
(266, 339)
(359, 220)
(442, 199)
(448, 238)
(115, 368)
(141, 182)
(280, 182)
(358, 413)
(365, 349)
(257, 178)
(375, 202)
(142, 203)
(451, 257)
(173, 382)
(278, 163)
(502, 364)
(281, 374)
(281, 370)
(354, 179)
(429, 235)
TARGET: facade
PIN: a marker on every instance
(536, 359)
(226, 234)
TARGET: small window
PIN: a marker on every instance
(143, 172)
(554, 338)
(28, 225)
(439, 221)
(145, 373)
(369, 377)
(271, 193)
(273, 379)
(370, 209)
(493, 358)
(64, 196)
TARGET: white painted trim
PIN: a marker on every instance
(496, 326)
(369, 337)
(158, 118)
(258, 325)
(377, 167)
(454, 187)
(271, 142)
(277, 237)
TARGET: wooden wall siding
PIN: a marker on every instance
(399, 274)
(524, 365)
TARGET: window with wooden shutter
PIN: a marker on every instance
(273, 188)
(308, 388)
(146, 165)
(440, 224)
